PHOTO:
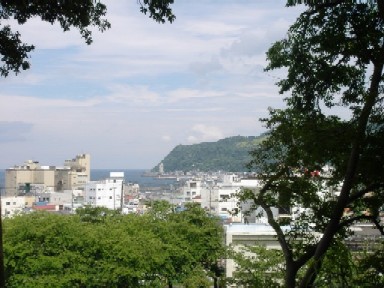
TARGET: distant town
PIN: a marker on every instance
(63, 189)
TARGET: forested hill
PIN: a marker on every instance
(229, 154)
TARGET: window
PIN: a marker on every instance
(7, 203)
(110, 197)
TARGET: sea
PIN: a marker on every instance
(135, 176)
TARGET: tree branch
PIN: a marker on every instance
(372, 218)
(378, 226)
(350, 220)
(349, 177)
(279, 232)
(380, 7)
(317, 7)
(306, 256)
(361, 193)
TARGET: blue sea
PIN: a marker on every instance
(130, 175)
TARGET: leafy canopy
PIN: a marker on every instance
(81, 15)
(100, 248)
(324, 151)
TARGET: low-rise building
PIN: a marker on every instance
(11, 205)
(239, 235)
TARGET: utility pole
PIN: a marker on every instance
(2, 270)
(122, 197)
(114, 197)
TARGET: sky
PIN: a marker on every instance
(142, 88)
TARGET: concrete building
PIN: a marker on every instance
(221, 198)
(106, 193)
(73, 175)
(192, 189)
(238, 235)
(12, 205)
(19, 178)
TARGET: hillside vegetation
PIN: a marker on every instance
(229, 154)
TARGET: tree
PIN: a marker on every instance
(196, 239)
(257, 266)
(333, 55)
(110, 250)
(81, 15)
(100, 248)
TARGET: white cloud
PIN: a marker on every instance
(132, 94)
(166, 138)
(212, 28)
(184, 93)
(137, 91)
(204, 132)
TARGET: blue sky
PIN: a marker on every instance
(142, 88)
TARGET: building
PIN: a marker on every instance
(239, 235)
(221, 198)
(22, 179)
(192, 189)
(12, 205)
(106, 193)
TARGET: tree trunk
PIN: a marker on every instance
(290, 276)
(215, 285)
(2, 270)
(333, 225)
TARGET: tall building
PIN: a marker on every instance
(106, 193)
(32, 176)
(75, 173)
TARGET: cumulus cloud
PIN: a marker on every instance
(203, 132)
(138, 90)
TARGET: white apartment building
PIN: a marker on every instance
(192, 190)
(221, 198)
(11, 205)
(106, 193)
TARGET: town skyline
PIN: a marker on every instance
(142, 88)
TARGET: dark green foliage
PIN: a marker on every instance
(109, 249)
(229, 154)
(333, 55)
(81, 15)
(159, 10)
(370, 266)
(258, 266)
